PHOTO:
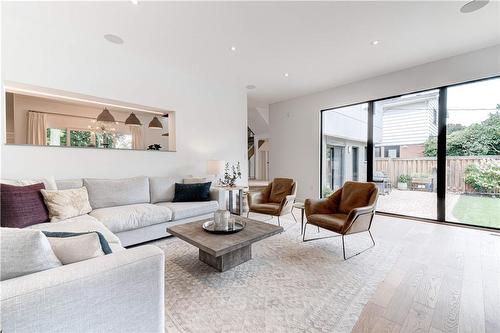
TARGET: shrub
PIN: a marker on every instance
(326, 191)
(404, 179)
(484, 178)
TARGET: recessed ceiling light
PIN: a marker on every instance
(285, 75)
(251, 87)
(113, 39)
(233, 48)
(374, 42)
(135, 2)
(473, 5)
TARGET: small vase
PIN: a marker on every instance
(221, 219)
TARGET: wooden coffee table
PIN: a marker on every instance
(224, 251)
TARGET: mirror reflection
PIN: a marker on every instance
(35, 120)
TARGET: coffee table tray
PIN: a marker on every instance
(209, 226)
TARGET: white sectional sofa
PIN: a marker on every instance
(136, 210)
(118, 292)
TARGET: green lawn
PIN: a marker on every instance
(478, 210)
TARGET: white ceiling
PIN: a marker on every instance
(320, 44)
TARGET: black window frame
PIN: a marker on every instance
(441, 149)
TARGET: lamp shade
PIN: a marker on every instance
(215, 167)
(132, 120)
(105, 116)
(155, 123)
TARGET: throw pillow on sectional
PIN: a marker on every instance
(192, 192)
(71, 247)
(25, 251)
(22, 206)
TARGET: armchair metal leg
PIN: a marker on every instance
(279, 223)
(248, 214)
(317, 238)
(343, 241)
(343, 247)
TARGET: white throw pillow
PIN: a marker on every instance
(76, 248)
(49, 182)
(25, 251)
(63, 204)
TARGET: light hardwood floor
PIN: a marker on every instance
(446, 279)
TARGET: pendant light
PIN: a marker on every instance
(155, 123)
(105, 117)
(132, 120)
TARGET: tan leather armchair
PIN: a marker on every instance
(348, 210)
(275, 200)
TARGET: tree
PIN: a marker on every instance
(477, 139)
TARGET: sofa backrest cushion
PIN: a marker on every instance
(69, 184)
(22, 206)
(25, 251)
(117, 192)
(162, 189)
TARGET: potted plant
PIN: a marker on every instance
(403, 181)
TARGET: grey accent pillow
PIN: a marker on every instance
(162, 188)
(117, 192)
(25, 251)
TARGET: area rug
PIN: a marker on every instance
(288, 286)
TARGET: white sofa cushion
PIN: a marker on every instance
(117, 192)
(25, 252)
(123, 218)
(162, 188)
(83, 223)
(183, 210)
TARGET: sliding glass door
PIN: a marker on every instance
(404, 171)
(473, 154)
(434, 154)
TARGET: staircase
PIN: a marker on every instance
(251, 153)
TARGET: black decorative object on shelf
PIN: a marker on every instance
(154, 147)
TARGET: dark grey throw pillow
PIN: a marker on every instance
(192, 192)
(104, 243)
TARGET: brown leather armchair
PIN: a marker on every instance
(348, 210)
(275, 200)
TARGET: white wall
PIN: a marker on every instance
(295, 124)
(211, 119)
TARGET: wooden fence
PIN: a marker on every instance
(426, 166)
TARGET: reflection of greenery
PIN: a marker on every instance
(474, 140)
(484, 178)
(326, 191)
(55, 131)
(104, 140)
(477, 210)
(80, 138)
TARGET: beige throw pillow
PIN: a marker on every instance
(76, 248)
(64, 204)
